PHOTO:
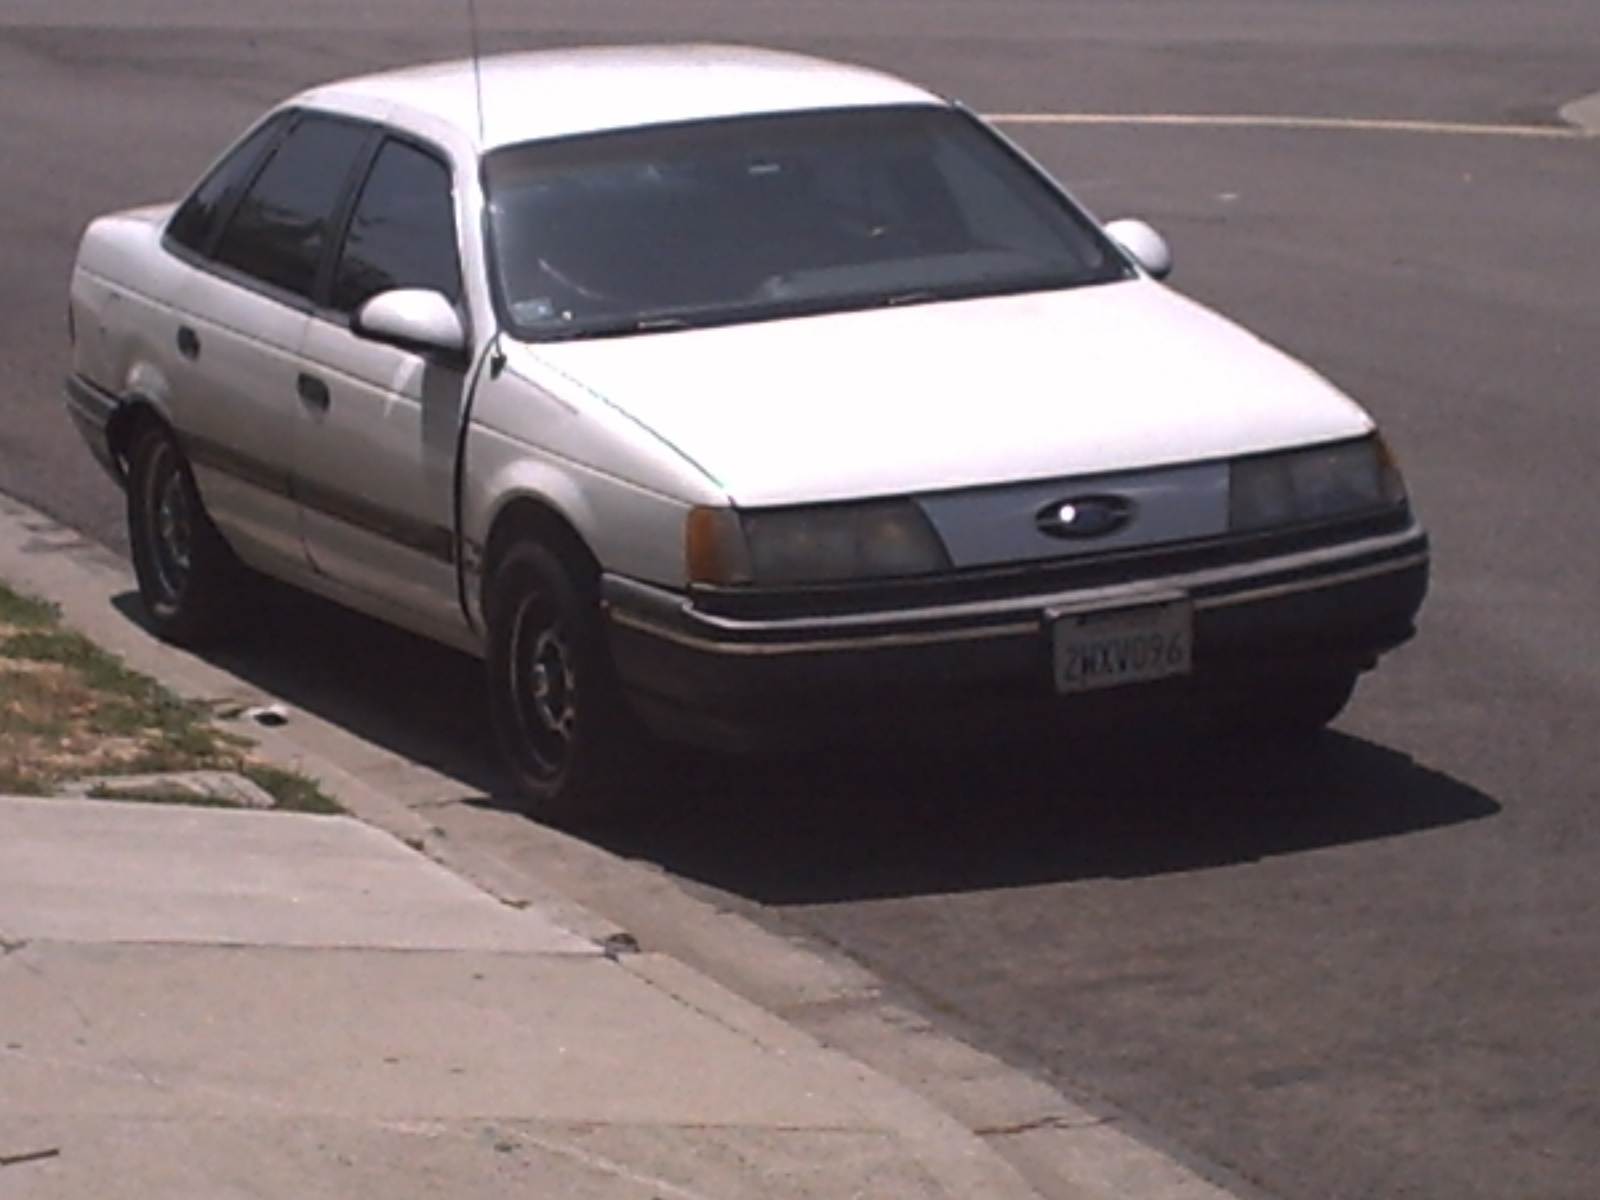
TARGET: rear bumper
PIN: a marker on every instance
(715, 679)
(91, 409)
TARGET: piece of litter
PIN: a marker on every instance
(28, 1156)
(271, 715)
(615, 945)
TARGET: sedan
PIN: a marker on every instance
(729, 397)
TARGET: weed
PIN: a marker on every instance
(70, 710)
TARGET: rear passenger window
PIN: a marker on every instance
(197, 217)
(281, 228)
(403, 231)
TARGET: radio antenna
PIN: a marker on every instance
(477, 65)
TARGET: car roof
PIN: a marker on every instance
(555, 93)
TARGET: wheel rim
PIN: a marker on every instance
(544, 689)
(169, 525)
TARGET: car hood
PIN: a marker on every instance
(958, 393)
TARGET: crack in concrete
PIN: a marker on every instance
(14, 949)
(29, 1156)
(1053, 1121)
(617, 1170)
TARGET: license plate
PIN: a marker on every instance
(1108, 648)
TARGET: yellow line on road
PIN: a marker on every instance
(1240, 121)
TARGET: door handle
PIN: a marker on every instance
(188, 343)
(313, 391)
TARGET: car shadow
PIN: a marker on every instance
(398, 691)
(938, 813)
(949, 816)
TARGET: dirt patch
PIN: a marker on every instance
(71, 711)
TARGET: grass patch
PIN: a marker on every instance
(24, 612)
(69, 710)
(292, 789)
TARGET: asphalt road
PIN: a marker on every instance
(1371, 969)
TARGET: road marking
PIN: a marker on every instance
(1584, 113)
(1244, 121)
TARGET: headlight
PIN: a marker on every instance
(826, 544)
(1315, 484)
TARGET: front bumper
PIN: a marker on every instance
(715, 672)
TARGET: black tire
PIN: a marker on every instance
(188, 578)
(1296, 708)
(575, 748)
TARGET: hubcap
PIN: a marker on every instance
(545, 688)
(172, 526)
(552, 684)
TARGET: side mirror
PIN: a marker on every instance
(1147, 247)
(413, 319)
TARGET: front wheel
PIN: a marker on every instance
(573, 745)
(188, 577)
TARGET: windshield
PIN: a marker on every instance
(751, 218)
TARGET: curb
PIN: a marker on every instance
(1061, 1148)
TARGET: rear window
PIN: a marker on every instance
(280, 229)
(198, 217)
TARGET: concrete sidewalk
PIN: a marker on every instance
(436, 999)
(213, 1003)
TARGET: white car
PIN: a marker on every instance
(727, 395)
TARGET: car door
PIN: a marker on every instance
(375, 446)
(255, 234)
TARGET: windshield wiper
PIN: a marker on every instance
(921, 296)
(624, 327)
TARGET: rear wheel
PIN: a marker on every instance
(574, 746)
(188, 577)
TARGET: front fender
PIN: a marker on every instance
(627, 528)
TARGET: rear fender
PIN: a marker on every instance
(145, 396)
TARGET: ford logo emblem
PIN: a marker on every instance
(1084, 516)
